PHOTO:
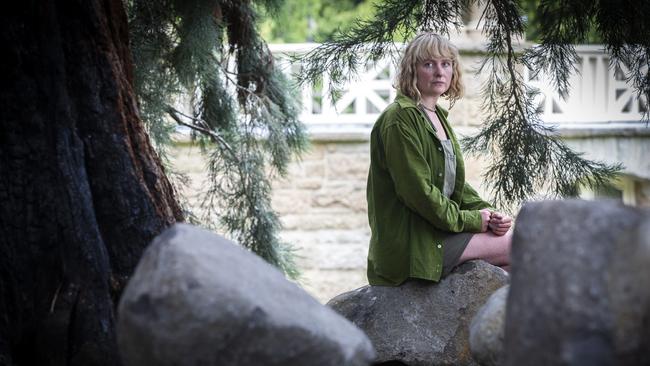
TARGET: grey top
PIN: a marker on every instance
(450, 167)
(450, 161)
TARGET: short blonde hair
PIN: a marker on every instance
(427, 46)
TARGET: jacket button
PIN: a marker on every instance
(439, 149)
(439, 246)
(440, 174)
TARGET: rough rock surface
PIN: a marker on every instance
(487, 329)
(421, 322)
(579, 293)
(199, 299)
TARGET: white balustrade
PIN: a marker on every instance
(598, 93)
(361, 101)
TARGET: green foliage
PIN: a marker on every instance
(625, 33)
(313, 20)
(527, 157)
(208, 55)
(373, 39)
(533, 17)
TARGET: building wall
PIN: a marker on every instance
(629, 147)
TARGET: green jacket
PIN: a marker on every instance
(408, 214)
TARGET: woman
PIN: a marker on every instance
(425, 219)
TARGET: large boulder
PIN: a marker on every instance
(579, 293)
(487, 329)
(199, 299)
(421, 322)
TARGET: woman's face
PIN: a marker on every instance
(434, 76)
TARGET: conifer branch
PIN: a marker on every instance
(175, 114)
(249, 113)
(527, 156)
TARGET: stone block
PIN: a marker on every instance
(324, 284)
(346, 197)
(579, 293)
(312, 184)
(486, 331)
(352, 167)
(332, 255)
(422, 323)
(199, 299)
(292, 201)
(324, 220)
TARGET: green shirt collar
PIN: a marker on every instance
(407, 102)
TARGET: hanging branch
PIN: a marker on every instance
(527, 157)
(368, 41)
(199, 126)
(246, 123)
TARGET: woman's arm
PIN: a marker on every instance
(471, 199)
(498, 222)
(411, 174)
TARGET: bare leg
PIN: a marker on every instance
(490, 248)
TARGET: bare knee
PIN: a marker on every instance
(506, 244)
(489, 247)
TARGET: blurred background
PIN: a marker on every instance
(322, 202)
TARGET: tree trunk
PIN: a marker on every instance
(82, 192)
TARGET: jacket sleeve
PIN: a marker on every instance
(412, 176)
(471, 200)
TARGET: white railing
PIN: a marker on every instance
(361, 102)
(598, 94)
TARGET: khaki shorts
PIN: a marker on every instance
(453, 247)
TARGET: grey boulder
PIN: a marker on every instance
(579, 293)
(199, 299)
(486, 330)
(421, 322)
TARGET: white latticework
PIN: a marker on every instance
(598, 93)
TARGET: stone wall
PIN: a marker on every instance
(322, 205)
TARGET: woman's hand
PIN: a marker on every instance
(499, 223)
(485, 219)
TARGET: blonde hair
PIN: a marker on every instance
(427, 46)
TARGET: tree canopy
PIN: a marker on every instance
(527, 156)
(312, 20)
(319, 20)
